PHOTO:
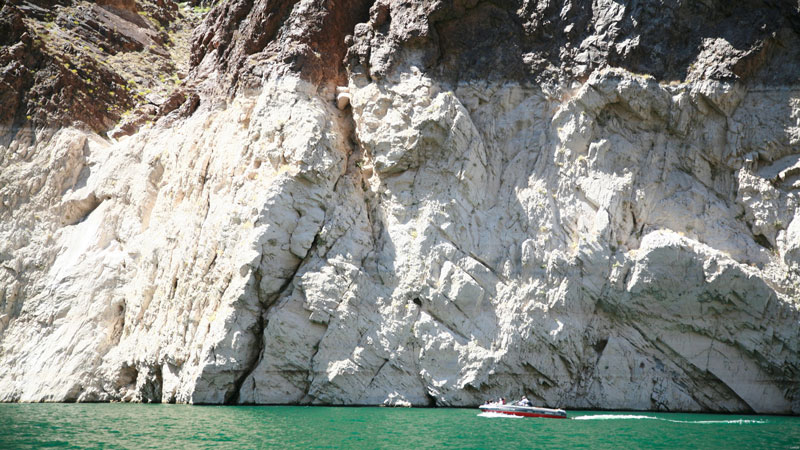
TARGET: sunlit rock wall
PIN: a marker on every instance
(514, 199)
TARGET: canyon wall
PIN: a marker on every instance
(403, 203)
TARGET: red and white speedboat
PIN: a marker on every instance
(524, 411)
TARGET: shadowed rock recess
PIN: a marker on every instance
(595, 204)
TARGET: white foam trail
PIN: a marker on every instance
(636, 417)
(613, 417)
(495, 415)
(739, 421)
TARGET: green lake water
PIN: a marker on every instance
(182, 426)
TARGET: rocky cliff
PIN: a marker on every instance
(595, 204)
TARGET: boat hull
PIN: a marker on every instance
(525, 411)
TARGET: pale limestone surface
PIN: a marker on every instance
(619, 244)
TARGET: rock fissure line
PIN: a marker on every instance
(232, 398)
(262, 322)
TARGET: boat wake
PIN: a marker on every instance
(498, 415)
(637, 417)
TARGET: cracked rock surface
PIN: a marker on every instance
(592, 204)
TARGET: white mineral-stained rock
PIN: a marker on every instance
(181, 238)
(630, 245)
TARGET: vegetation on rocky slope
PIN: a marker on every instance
(111, 65)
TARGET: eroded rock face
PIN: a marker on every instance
(567, 209)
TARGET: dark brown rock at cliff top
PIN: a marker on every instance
(244, 38)
(544, 41)
(550, 40)
(67, 61)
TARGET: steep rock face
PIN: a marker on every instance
(521, 197)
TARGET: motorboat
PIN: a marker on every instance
(523, 410)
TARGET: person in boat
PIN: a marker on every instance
(524, 401)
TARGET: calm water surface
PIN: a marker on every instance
(181, 426)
